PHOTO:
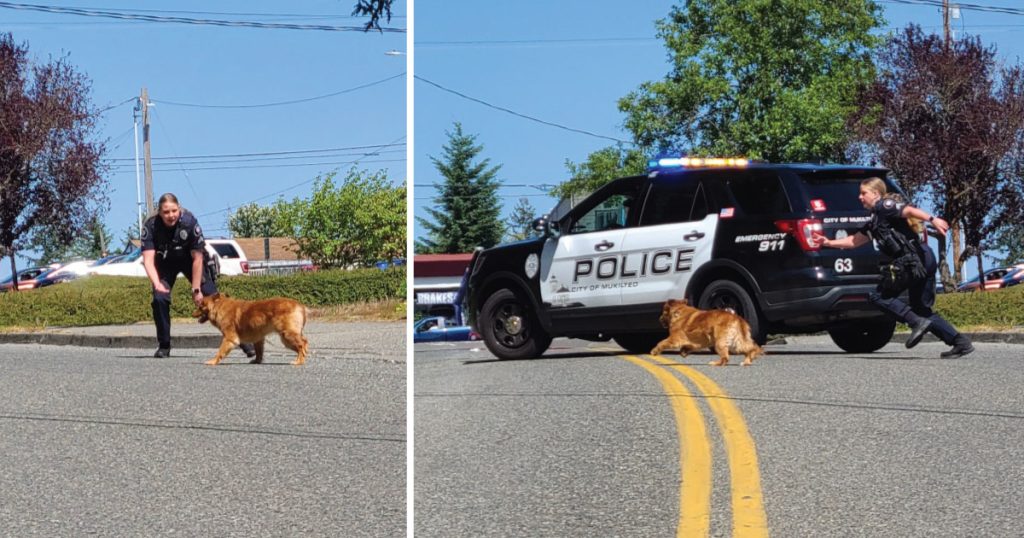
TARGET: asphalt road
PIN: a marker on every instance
(112, 442)
(584, 442)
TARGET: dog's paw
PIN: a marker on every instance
(212, 362)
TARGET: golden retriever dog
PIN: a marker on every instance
(721, 331)
(251, 321)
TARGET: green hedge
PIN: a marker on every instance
(997, 308)
(102, 300)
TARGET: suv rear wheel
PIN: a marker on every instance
(722, 294)
(863, 337)
(510, 328)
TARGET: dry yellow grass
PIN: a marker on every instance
(388, 310)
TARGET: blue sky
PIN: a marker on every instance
(216, 66)
(568, 63)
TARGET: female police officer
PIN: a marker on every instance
(172, 243)
(911, 267)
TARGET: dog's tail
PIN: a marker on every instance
(750, 343)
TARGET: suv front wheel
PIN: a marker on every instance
(510, 328)
(864, 337)
(722, 294)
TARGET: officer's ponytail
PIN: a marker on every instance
(877, 185)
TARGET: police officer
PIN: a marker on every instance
(911, 267)
(172, 243)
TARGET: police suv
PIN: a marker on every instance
(719, 232)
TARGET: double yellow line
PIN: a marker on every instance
(748, 515)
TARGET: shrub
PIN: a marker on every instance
(105, 300)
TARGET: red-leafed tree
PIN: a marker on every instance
(946, 120)
(50, 169)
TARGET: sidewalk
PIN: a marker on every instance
(191, 335)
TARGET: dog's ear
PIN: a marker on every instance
(214, 296)
(683, 301)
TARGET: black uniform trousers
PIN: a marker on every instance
(168, 270)
(922, 298)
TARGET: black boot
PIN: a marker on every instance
(162, 352)
(961, 346)
(918, 331)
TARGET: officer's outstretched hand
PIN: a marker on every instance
(941, 225)
(160, 288)
(198, 298)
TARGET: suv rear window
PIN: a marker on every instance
(225, 250)
(838, 192)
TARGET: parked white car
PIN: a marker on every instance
(227, 252)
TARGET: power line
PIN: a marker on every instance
(111, 107)
(259, 159)
(539, 41)
(970, 7)
(514, 113)
(292, 102)
(297, 185)
(260, 154)
(171, 168)
(187, 20)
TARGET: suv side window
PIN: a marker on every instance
(674, 201)
(225, 250)
(608, 209)
(759, 194)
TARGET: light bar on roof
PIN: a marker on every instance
(694, 162)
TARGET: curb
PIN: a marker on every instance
(990, 337)
(83, 340)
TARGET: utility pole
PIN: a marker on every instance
(945, 21)
(145, 150)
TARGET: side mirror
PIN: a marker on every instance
(542, 226)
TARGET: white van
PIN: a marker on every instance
(229, 255)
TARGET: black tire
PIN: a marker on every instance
(510, 328)
(639, 343)
(722, 294)
(863, 337)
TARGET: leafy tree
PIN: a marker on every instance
(358, 222)
(601, 167)
(949, 125)
(469, 209)
(520, 222)
(93, 243)
(766, 80)
(50, 170)
(375, 9)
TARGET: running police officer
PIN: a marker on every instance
(911, 266)
(172, 243)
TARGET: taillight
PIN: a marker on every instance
(245, 267)
(802, 231)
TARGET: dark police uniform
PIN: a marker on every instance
(898, 242)
(174, 247)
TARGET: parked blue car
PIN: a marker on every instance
(436, 329)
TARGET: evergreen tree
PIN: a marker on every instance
(468, 209)
(520, 222)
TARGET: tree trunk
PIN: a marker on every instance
(981, 273)
(14, 273)
(954, 231)
(948, 284)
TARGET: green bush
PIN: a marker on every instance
(997, 308)
(103, 300)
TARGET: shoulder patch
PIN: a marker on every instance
(888, 203)
(145, 232)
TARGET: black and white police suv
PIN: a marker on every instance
(719, 232)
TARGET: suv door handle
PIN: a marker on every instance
(694, 235)
(603, 246)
